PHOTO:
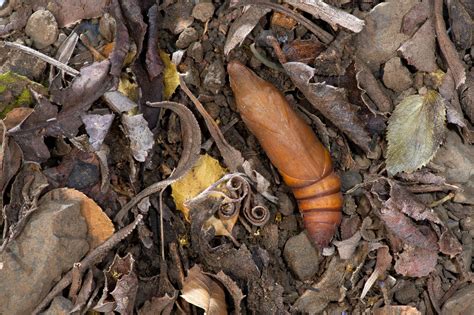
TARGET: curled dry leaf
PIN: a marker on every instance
(141, 138)
(243, 26)
(122, 283)
(347, 247)
(205, 173)
(201, 290)
(328, 289)
(384, 260)
(159, 305)
(415, 132)
(331, 102)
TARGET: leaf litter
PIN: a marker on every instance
(98, 142)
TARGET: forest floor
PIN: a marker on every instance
(134, 179)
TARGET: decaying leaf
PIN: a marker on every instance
(331, 102)
(159, 305)
(99, 226)
(97, 127)
(141, 138)
(415, 132)
(205, 172)
(243, 26)
(416, 262)
(122, 283)
(384, 260)
(347, 247)
(201, 290)
(171, 76)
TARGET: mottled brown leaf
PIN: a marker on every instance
(416, 262)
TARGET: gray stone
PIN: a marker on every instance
(215, 77)
(59, 306)
(54, 238)
(42, 28)
(407, 293)
(301, 256)
(188, 36)
(196, 51)
(203, 11)
(461, 302)
(396, 76)
(21, 63)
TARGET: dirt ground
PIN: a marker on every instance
(242, 157)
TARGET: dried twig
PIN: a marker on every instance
(324, 36)
(447, 47)
(91, 259)
(329, 14)
(41, 56)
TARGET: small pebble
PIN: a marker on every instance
(214, 79)
(42, 28)
(188, 36)
(301, 256)
(396, 76)
(196, 52)
(203, 11)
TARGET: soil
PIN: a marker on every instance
(387, 90)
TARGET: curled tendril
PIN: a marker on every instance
(258, 215)
(236, 193)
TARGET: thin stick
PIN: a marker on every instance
(41, 56)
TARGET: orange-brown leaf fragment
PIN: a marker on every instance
(99, 226)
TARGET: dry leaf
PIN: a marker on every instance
(415, 132)
(384, 260)
(347, 247)
(99, 226)
(242, 27)
(204, 292)
(97, 127)
(171, 76)
(397, 310)
(205, 172)
(141, 138)
(416, 262)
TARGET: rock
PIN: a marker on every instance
(460, 303)
(381, 37)
(42, 28)
(21, 63)
(83, 175)
(350, 179)
(59, 306)
(196, 51)
(203, 11)
(457, 166)
(301, 256)
(178, 16)
(396, 76)
(188, 36)
(407, 293)
(214, 79)
(54, 238)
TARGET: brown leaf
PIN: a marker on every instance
(419, 51)
(331, 102)
(384, 260)
(416, 262)
(159, 305)
(204, 292)
(122, 283)
(232, 288)
(153, 61)
(397, 310)
(100, 228)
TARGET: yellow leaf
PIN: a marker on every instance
(415, 132)
(205, 173)
(171, 76)
(128, 88)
